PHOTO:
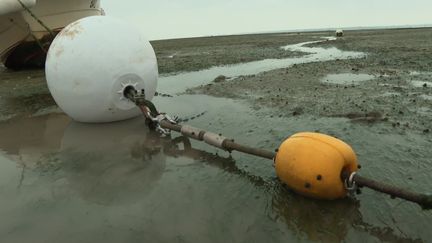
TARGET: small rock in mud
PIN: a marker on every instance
(297, 111)
(220, 79)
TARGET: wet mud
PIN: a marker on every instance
(120, 182)
(193, 54)
(348, 86)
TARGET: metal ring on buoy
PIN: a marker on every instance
(350, 184)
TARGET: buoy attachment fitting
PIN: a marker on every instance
(311, 164)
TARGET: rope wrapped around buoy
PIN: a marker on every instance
(312, 164)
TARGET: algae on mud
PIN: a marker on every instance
(91, 190)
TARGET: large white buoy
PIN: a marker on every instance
(92, 61)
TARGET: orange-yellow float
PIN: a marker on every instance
(311, 164)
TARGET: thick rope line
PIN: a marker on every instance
(423, 200)
(37, 19)
(37, 41)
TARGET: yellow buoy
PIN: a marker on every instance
(311, 164)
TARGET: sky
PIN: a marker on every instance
(165, 19)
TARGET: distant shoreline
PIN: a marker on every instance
(318, 30)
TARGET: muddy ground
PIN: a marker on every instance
(400, 94)
(192, 54)
(118, 182)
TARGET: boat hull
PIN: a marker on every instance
(24, 42)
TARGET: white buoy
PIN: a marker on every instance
(92, 61)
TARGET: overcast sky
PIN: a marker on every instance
(162, 19)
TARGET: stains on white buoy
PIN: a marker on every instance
(92, 61)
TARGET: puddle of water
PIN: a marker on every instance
(426, 97)
(347, 78)
(424, 111)
(417, 73)
(180, 82)
(421, 84)
(391, 94)
(323, 53)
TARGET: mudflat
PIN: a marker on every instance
(397, 89)
(63, 181)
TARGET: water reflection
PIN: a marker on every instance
(28, 140)
(97, 161)
(118, 164)
(111, 163)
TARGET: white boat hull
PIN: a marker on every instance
(12, 6)
(19, 30)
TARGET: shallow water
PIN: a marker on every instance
(347, 78)
(421, 84)
(426, 97)
(117, 182)
(180, 82)
(62, 181)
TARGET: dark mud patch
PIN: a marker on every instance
(370, 117)
(34, 102)
(219, 79)
(27, 105)
(23, 92)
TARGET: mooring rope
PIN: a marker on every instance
(190, 118)
(351, 180)
(39, 43)
(423, 200)
(37, 19)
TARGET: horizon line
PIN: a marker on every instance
(376, 27)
